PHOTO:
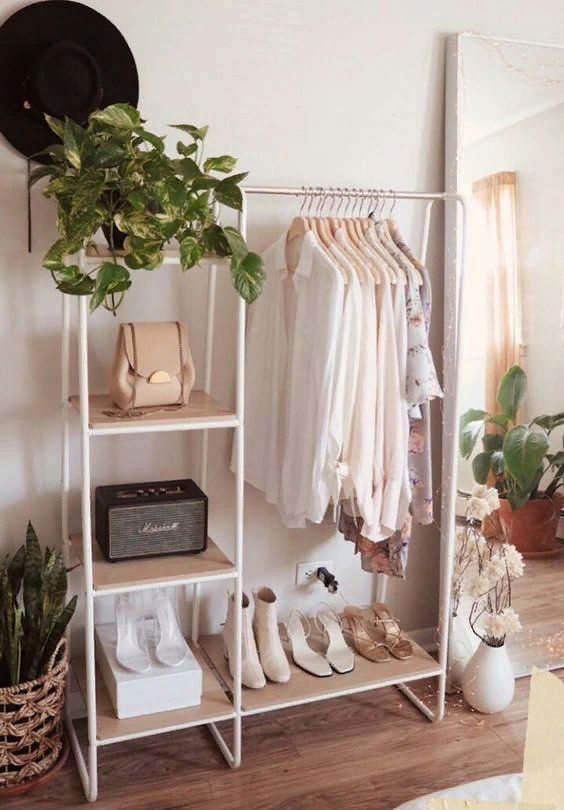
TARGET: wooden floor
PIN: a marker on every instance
(372, 750)
(538, 598)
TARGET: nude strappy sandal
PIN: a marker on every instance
(398, 645)
(368, 640)
(302, 654)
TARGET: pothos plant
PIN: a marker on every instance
(115, 173)
(517, 454)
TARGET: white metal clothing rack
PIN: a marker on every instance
(222, 695)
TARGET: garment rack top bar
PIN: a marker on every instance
(318, 191)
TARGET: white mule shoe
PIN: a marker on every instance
(130, 654)
(252, 675)
(170, 646)
(338, 654)
(271, 653)
(304, 657)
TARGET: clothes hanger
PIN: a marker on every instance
(402, 259)
(398, 241)
(341, 241)
(372, 258)
(349, 240)
(376, 267)
(372, 236)
(321, 228)
(297, 230)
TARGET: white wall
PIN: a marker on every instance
(531, 148)
(333, 93)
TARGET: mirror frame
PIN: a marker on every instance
(455, 249)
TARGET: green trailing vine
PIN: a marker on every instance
(115, 173)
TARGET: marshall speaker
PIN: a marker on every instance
(151, 519)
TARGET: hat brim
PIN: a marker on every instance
(31, 29)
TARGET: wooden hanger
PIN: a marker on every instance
(398, 241)
(297, 230)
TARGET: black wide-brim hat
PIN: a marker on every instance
(62, 58)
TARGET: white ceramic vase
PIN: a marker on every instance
(462, 646)
(488, 682)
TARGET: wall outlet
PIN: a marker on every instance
(306, 571)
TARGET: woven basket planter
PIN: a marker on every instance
(31, 724)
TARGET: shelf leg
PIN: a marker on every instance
(222, 745)
(87, 546)
(195, 632)
(239, 505)
(210, 323)
(429, 713)
(65, 465)
(79, 759)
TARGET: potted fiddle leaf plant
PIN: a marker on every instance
(34, 615)
(518, 460)
(114, 174)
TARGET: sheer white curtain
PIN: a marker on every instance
(495, 231)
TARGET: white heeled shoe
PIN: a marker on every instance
(304, 657)
(271, 653)
(170, 646)
(130, 654)
(252, 675)
(338, 653)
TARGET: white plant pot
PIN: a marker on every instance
(463, 643)
(488, 682)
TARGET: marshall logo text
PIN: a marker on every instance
(157, 528)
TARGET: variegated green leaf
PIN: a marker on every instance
(120, 116)
(191, 252)
(236, 242)
(223, 163)
(198, 133)
(56, 125)
(248, 276)
(229, 194)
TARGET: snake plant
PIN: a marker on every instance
(33, 613)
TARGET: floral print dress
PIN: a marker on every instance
(390, 556)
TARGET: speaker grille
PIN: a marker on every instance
(151, 530)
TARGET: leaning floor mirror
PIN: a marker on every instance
(504, 134)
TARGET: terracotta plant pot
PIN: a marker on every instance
(532, 528)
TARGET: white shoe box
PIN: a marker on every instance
(160, 689)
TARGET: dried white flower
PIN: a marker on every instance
(492, 498)
(499, 625)
(480, 491)
(478, 508)
(512, 623)
(495, 569)
(481, 585)
(513, 560)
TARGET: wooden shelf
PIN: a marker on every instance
(201, 412)
(95, 255)
(305, 688)
(175, 569)
(215, 706)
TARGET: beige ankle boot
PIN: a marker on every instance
(271, 653)
(251, 671)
